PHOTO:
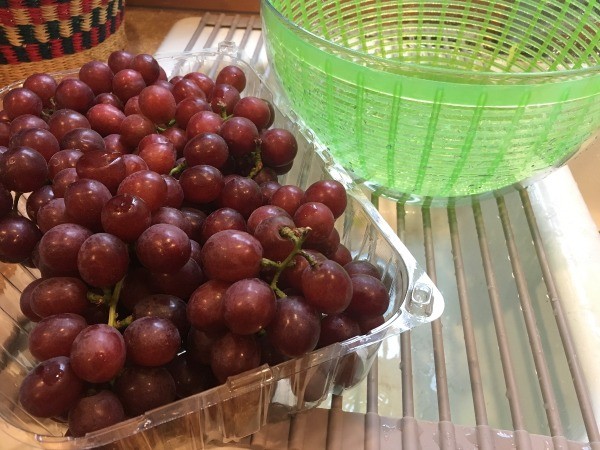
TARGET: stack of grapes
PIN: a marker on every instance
(170, 255)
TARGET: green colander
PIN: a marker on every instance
(442, 98)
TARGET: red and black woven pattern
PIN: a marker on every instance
(37, 30)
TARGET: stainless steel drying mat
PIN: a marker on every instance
(500, 368)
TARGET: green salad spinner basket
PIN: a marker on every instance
(444, 98)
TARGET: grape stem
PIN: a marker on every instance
(297, 236)
(114, 300)
(99, 299)
(178, 169)
(258, 164)
(163, 127)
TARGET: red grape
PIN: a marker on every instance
(98, 353)
(147, 185)
(95, 412)
(144, 388)
(327, 287)
(157, 104)
(151, 341)
(248, 306)
(103, 260)
(163, 248)
(97, 75)
(53, 335)
(19, 101)
(51, 388)
(231, 255)
(232, 75)
(295, 328)
(125, 216)
(18, 238)
(233, 354)
(58, 295)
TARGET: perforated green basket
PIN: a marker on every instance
(443, 98)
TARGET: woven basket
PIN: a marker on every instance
(54, 35)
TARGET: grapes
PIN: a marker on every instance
(337, 328)
(105, 119)
(248, 306)
(95, 412)
(23, 169)
(295, 328)
(98, 353)
(190, 378)
(54, 335)
(369, 297)
(127, 83)
(206, 148)
(64, 120)
(233, 354)
(60, 245)
(58, 295)
(97, 75)
(231, 255)
(241, 194)
(74, 94)
(151, 341)
(125, 216)
(20, 101)
(205, 307)
(241, 136)
(50, 389)
(102, 260)
(278, 147)
(147, 185)
(38, 139)
(171, 256)
(329, 192)
(182, 282)
(327, 287)
(219, 220)
(224, 98)
(317, 217)
(255, 109)
(201, 184)
(84, 200)
(141, 389)
(166, 307)
(157, 104)
(232, 75)
(147, 66)
(163, 248)
(42, 84)
(18, 238)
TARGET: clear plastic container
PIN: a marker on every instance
(250, 400)
(441, 99)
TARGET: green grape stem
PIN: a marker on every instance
(258, 164)
(178, 169)
(114, 300)
(163, 127)
(297, 236)
(98, 299)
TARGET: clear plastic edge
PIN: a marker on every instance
(423, 303)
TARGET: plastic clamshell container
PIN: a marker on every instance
(250, 400)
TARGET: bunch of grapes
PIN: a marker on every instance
(171, 257)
